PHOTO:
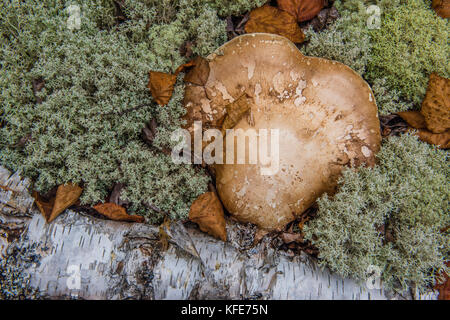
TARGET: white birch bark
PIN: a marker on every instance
(126, 260)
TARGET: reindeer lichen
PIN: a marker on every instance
(390, 216)
(84, 122)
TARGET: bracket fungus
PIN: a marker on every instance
(324, 112)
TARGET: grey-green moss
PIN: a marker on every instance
(388, 216)
(95, 101)
(411, 44)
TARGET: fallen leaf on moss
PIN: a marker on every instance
(115, 212)
(45, 207)
(302, 10)
(417, 126)
(66, 195)
(433, 120)
(207, 212)
(442, 8)
(414, 118)
(161, 84)
(444, 288)
(273, 20)
(439, 139)
(436, 105)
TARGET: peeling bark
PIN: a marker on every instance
(119, 260)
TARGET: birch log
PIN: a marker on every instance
(91, 258)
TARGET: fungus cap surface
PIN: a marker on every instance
(325, 114)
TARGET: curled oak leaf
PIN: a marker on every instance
(66, 196)
(45, 207)
(442, 8)
(302, 10)
(442, 140)
(207, 212)
(115, 212)
(414, 118)
(436, 105)
(269, 19)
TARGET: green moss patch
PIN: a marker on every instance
(92, 84)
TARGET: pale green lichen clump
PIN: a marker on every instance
(391, 216)
(95, 102)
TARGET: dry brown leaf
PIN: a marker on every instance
(273, 20)
(66, 195)
(444, 288)
(439, 139)
(118, 213)
(302, 10)
(207, 212)
(436, 105)
(45, 207)
(433, 120)
(199, 73)
(161, 86)
(442, 8)
(414, 118)
(235, 111)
